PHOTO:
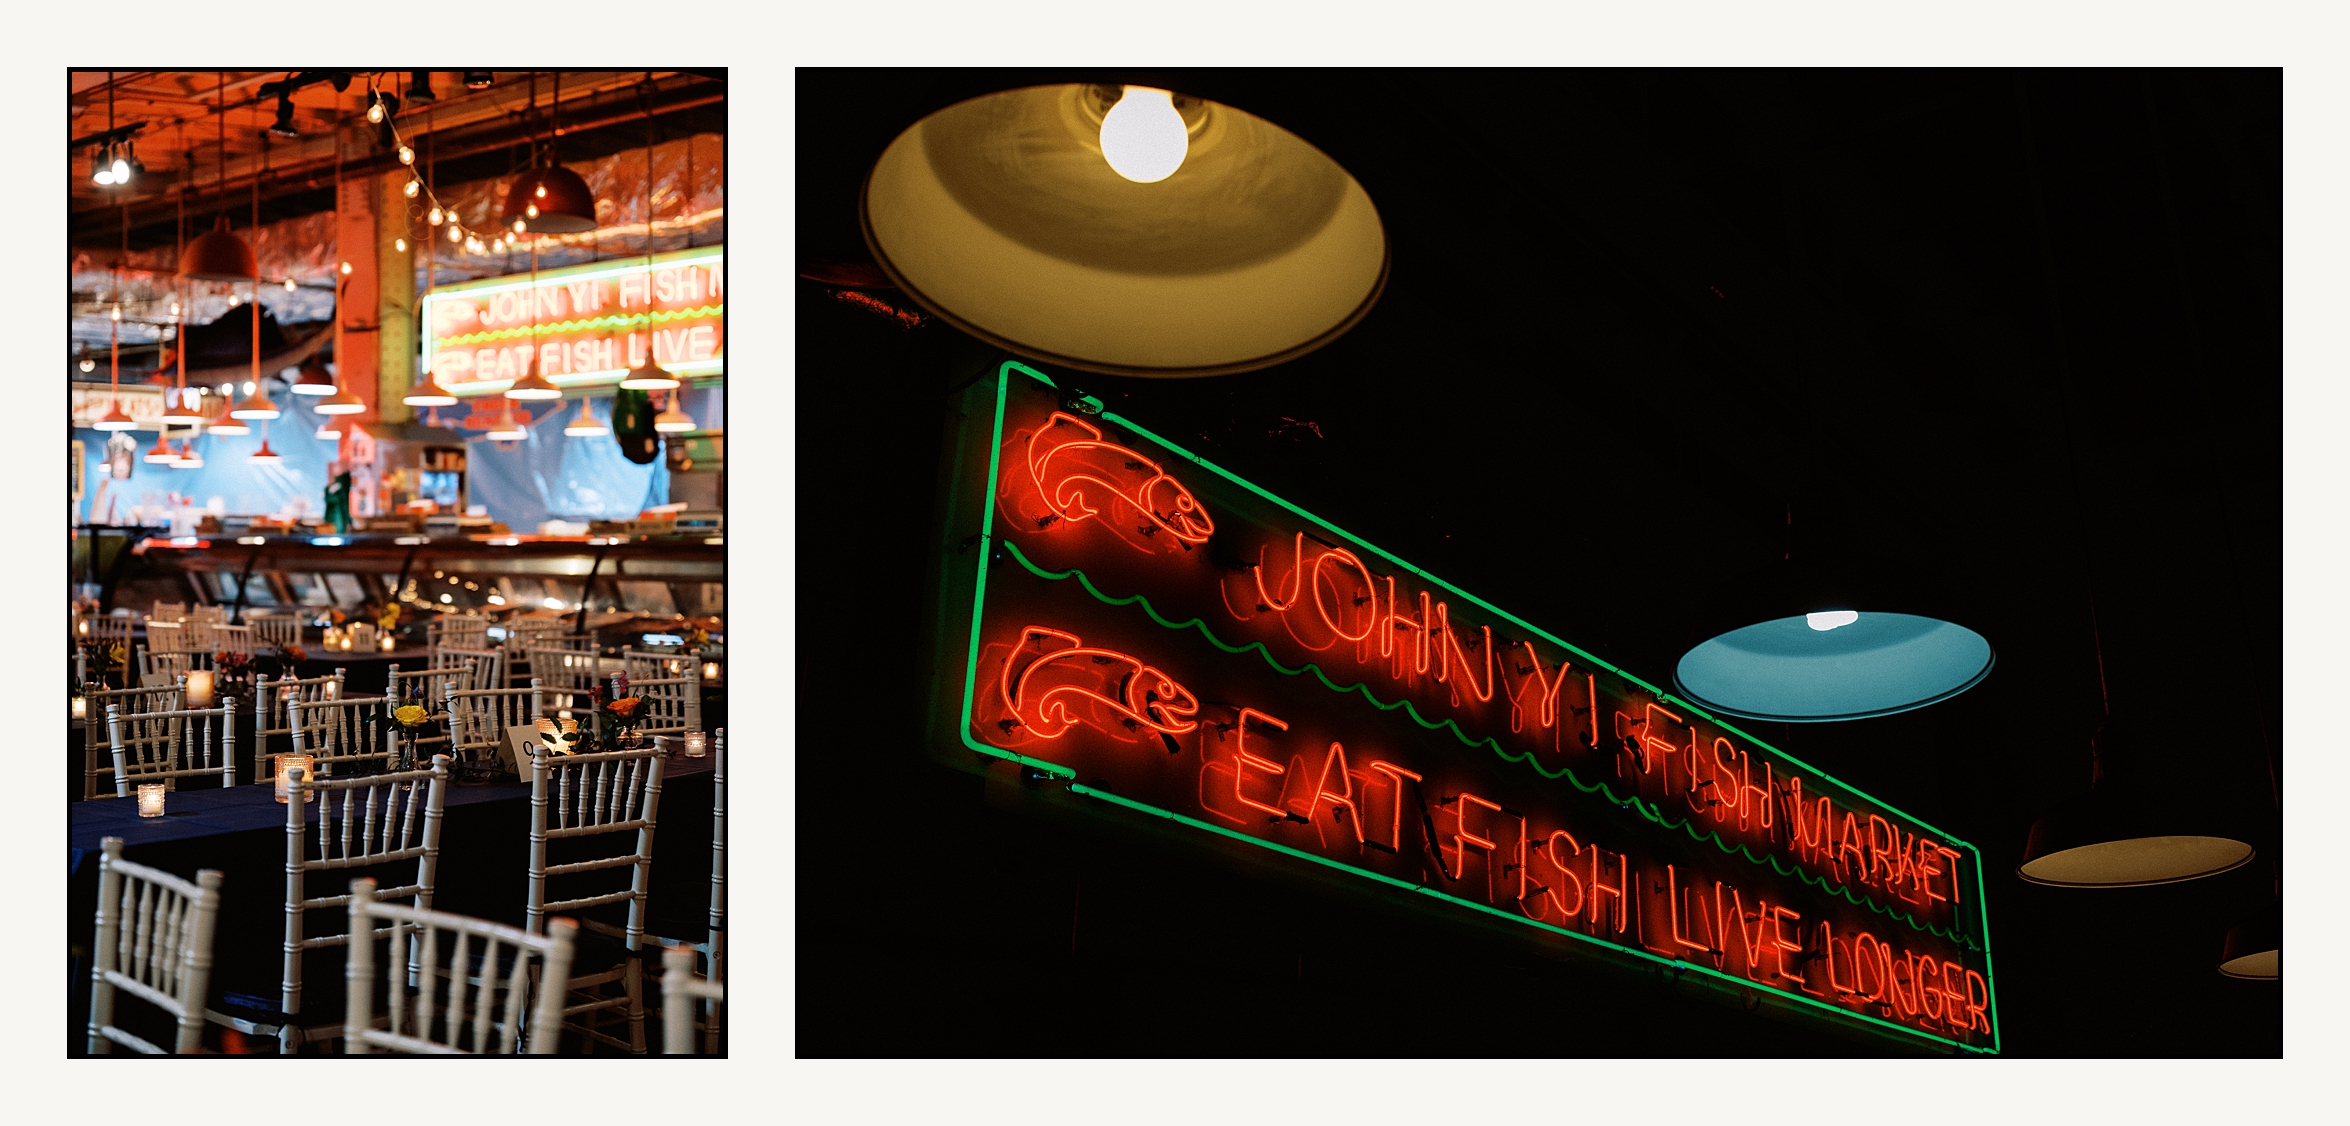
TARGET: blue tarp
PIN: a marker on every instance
(245, 488)
(550, 477)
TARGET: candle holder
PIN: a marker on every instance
(200, 688)
(151, 799)
(81, 707)
(278, 767)
(697, 744)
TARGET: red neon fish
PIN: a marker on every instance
(1041, 696)
(1078, 473)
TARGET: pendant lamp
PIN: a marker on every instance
(1125, 230)
(2136, 827)
(673, 420)
(189, 458)
(218, 255)
(341, 402)
(1818, 643)
(160, 453)
(429, 394)
(586, 425)
(650, 375)
(265, 455)
(114, 418)
(312, 378)
(329, 430)
(230, 428)
(532, 385)
(508, 428)
(255, 405)
(178, 412)
(2254, 949)
(552, 200)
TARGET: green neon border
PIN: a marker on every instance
(1055, 770)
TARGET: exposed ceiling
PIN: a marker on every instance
(2012, 337)
(202, 126)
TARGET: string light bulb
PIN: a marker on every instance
(456, 233)
(411, 188)
(375, 113)
(520, 226)
(233, 299)
(542, 191)
(433, 216)
(407, 155)
(346, 267)
(530, 212)
(289, 285)
(400, 244)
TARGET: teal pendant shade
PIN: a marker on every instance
(1874, 664)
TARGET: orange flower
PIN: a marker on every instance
(626, 707)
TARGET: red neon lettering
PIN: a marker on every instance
(1929, 995)
(1747, 788)
(1344, 798)
(1597, 886)
(1550, 849)
(1976, 1002)
(1870, 958)
(1040, 700)
(1244, 760)
(1673, 903)
(1451, 647)
(1648, 734)
(1779, 941)
(1953, 872)
(1281, 603)
(1849, 841)
(1463, 838)
(1392, 621)
(1828, 943)
(1750, 942)
(1550, 686)
(1399, 774)
(1346, 558)
(1070, 453)
(1880, 852)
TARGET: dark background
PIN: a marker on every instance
(2008, 340)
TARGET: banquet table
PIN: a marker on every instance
(483, 871)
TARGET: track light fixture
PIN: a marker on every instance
(420, 87)
(477, 80)
(284, 125)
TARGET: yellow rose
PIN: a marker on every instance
(410, 715)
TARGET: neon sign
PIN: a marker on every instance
(594, 323)
(1163, 636)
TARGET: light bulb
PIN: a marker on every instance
(456, 234)
(122, 170)
(411, 189)
(346, 267)
(433, 216)
(117, 312)
(400, 244)
(289, 285)
(375, 113)
(175, 307)
(248, 387)
(542, 192)
(1143, 137)
(227, 388)
(89, 365)
(232, 300)
(530, 212)
(519, 227)
(1826, 620)
(407, 155)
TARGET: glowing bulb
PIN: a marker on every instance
(289, 285)
(542, 192)
(1143, 137)
(433, 216)
(1827, 620)
(346, 267)
(121, 170)
(519, 227)
(530, 212)
(118, 312)
(175, 307)
(104, 176)
(399, 244)
(248, 387)
(89, 365)
(456, 234)
(407, 155)
(375, 113)
(445, 600)
(553, 604)
(227, 388)
(411, 188)
(232, 300)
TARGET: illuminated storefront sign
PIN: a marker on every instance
(594, 322)
(1163, 636)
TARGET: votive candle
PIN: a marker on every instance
(697, 744)
(285, 762)
(150, 799)
(199, 688)
(81, 708)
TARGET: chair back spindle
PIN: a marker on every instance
(153, 942)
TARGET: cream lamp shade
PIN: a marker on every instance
(1002, 216)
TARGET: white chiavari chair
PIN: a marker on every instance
(170, 637)
(459, 631)
(110, 631)
(655, 664)
(581, 796)
(162, 668)
(154, 942)
(224, 638)
(672, 705)
(572, 673)
(276, 630)
(430, 687)
(521, 634)
(168, 611)
(213, 614)
(378, 820)
(167, 746)
(128, 701)
(679, 990)
(434, 1022)
(713, 947)
(477, 720)
(273, 717)
(352, 729)
(489, 665)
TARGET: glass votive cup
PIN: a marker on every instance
(151, 799)
(81, 708)
(282, 763)
(697, 744)
(199, 688)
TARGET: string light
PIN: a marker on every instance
(411, 188)
(289, 285)
(433, 217)
(407, 155)
(375, 113)
(346, 267)
(400, 244)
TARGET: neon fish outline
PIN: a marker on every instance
(1150, 697)
(1160, 497)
